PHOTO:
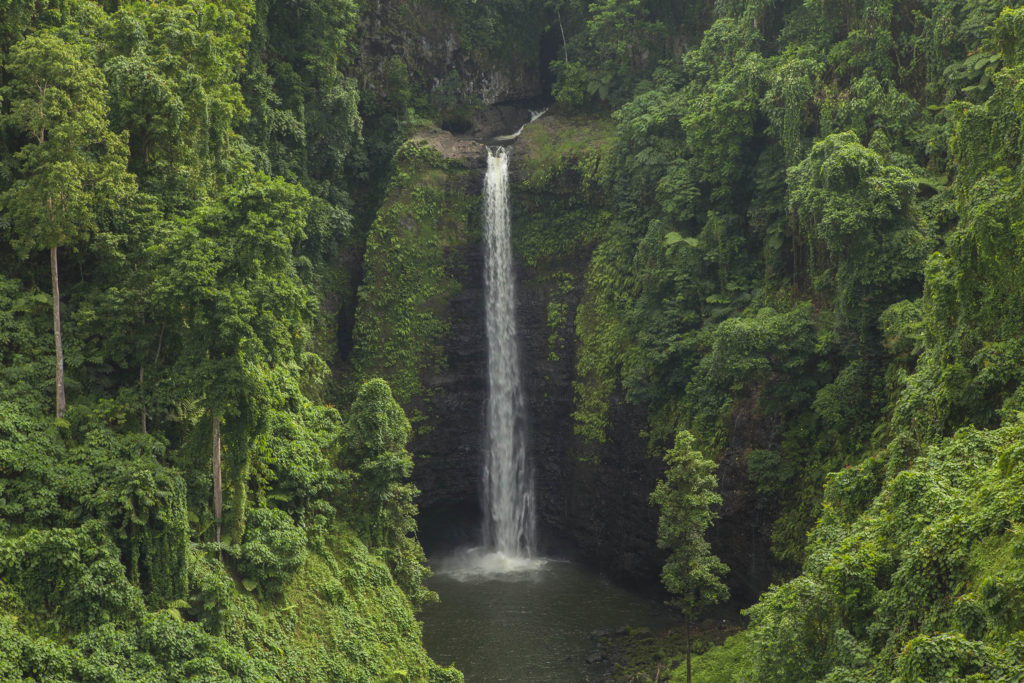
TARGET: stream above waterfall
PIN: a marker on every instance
(537, 620)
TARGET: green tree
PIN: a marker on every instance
(377, 433)
(71, 171)
(305, 107)
(173, 78)
(686, 496)
(867, 241)
(227, 283)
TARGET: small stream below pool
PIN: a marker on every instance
(526, 620)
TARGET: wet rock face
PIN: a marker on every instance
(429, 42)
(503, 119)
(469, 152)
(591, 498)
(595, 509)
(487, 124)
(612, 516)
(449, 452)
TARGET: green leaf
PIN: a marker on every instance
(934, 182)
(675, 238)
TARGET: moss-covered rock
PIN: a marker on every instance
(411, 273)
(562, 214)
(455, 54)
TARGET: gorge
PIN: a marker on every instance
(763, 261)
(505, 613)
(591, 497)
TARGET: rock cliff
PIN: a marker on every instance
(446, 56)
(592, 494)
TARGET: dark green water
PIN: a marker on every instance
(527, 623)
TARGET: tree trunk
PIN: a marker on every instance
(61, 404)
(142, 396)
(687, 649)
(565, 48)
(142, 375)
(217, 493)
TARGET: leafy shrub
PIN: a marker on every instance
(75, 574)
(570, 86)
(273, 548)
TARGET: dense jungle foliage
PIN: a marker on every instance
(818, 232)
(804, 228)
(196, 508)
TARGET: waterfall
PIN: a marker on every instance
(509, 548)
(507, 487)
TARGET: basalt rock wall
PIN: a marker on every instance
(594, 482)
(420, 320)
(452, 57)
(592, 496)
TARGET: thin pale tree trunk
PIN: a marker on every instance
(142, 377)
(142, 396)
(687, 649)
(61, 403)
(565, 48)
(218, 501)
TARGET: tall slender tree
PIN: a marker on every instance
(686, 496)
(71, 168)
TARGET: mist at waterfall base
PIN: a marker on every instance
(507, 613)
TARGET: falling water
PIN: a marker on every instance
(507, 489)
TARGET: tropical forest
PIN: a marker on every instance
(511, 340)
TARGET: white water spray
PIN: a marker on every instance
(507, 486)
